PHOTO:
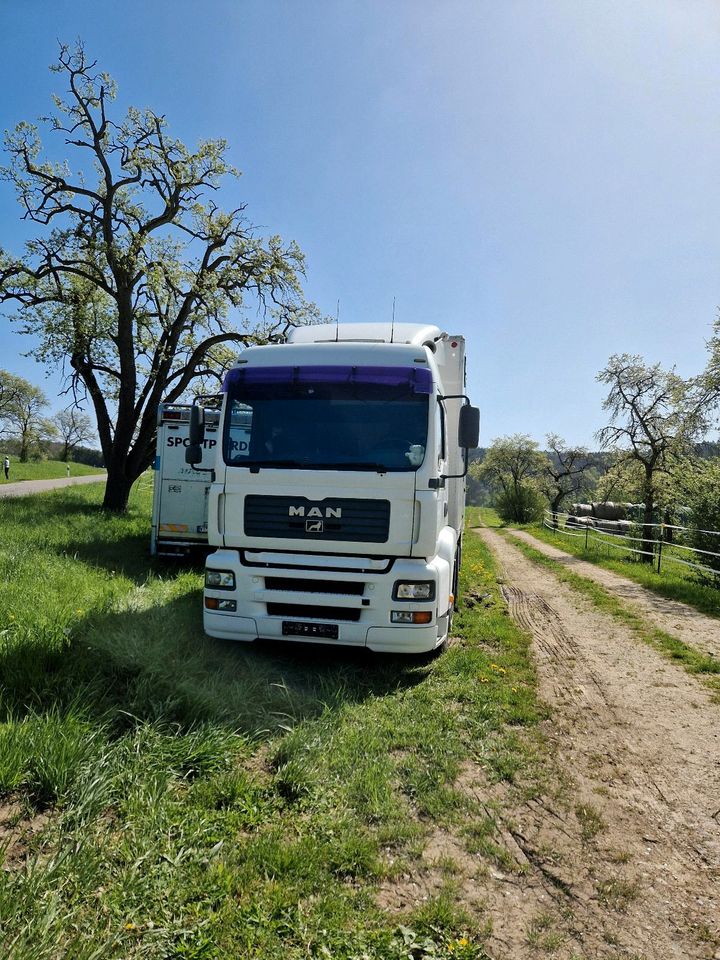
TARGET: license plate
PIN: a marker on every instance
(295, 628)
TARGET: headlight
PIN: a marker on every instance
(220, 579)
(411, 590)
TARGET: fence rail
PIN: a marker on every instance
(662, 539)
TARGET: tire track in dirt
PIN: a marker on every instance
(640, 745)
(679, 619)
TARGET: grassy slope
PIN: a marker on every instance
(674, 582)
(45, 470)
(209, 799)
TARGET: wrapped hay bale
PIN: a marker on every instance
(609, 511)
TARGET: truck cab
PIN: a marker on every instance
(337, 502)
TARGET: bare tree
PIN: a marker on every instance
(655, 417)
(566, 469)
(74, 427)
(138, 277)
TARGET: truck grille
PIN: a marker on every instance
(296, 518)
(308, 612)
(339, 587)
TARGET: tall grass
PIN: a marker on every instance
(208, 799)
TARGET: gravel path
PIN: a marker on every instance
(25, 487)
(696, 629)
(639, 743)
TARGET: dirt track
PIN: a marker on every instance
(628, 861)
(691, 626)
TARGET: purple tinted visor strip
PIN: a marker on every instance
(418, 378)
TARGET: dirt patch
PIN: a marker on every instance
(18, 828)
(692, 627)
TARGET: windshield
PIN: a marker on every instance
(342, 418)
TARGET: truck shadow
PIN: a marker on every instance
(156, 664)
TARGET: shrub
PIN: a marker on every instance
(523, 504)
(703, 499)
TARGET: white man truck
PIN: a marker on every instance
(337, 496)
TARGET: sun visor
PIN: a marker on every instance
(417, 379)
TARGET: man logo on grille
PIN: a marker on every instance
(331, 512)
(314, 526)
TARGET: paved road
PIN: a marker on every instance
(25, 487)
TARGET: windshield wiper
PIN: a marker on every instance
(256, 464)
(349, 465)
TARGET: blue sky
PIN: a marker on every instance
(543, 177)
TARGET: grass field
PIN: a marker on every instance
(44, 470)
(169, 795)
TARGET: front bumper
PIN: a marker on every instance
(355, 598)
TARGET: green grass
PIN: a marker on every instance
(672, 582)
(44, 470)
(703, 665)
(210, 799)
(484, 516)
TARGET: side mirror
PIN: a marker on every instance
(197, 424)
(193, 452)
(469, 427)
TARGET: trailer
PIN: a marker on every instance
(180, 492)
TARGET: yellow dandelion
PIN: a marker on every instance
(463, 942)
(131, 926)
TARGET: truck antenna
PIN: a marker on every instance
(392, 325)
(337, 322)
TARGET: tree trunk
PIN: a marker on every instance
(117, 488)
(648, 529)
(65, 453)
(668, 530)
